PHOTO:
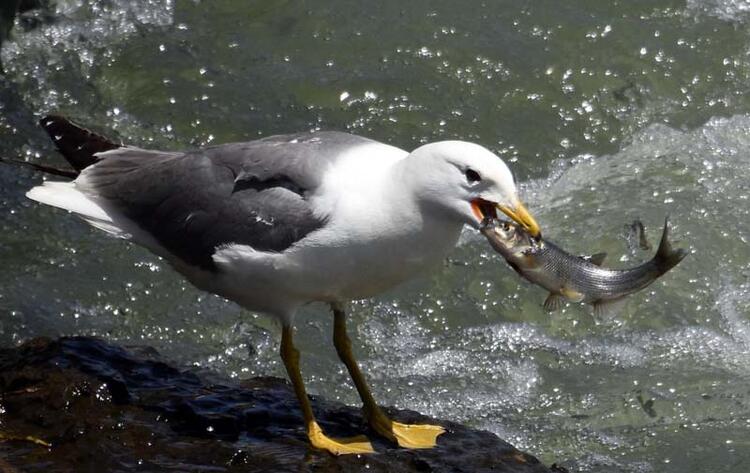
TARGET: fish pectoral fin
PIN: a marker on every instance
(571, 295)
(597, 258)
(529, 260)
(554, 302)
(608, 308)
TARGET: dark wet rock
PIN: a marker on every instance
(102, 408)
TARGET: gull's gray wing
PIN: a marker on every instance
(253, 193)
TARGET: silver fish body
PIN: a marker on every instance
(576, 278)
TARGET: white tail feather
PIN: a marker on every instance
(64, 195)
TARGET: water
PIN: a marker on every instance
(607, 112)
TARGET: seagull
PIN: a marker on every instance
(280, 222)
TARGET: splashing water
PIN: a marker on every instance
(606, 112)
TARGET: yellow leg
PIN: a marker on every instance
(406, 435)
(318, 439)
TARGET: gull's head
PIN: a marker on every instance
(468, 182)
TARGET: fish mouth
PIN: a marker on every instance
(518, 213)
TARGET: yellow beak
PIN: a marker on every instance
(522, 216)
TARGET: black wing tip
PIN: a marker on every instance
(51, 119)
(77, 144)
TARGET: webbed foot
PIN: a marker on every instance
(406, 435)
(319, 440)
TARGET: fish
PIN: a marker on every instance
(576, 278)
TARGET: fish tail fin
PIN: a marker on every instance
(666, 257)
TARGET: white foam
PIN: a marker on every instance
(730, 10)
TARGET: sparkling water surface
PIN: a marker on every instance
(606, 111)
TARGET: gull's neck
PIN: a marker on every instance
(375, 215)
(406, 203)
(376, 198)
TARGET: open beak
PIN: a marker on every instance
(520, 215)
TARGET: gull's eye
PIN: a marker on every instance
(472, 176)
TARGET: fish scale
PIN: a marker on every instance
(592, 280)
(575, 277)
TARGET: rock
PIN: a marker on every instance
(102, 408)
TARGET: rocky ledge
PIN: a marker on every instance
(81, 404)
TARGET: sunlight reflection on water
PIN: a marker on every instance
(629, 111)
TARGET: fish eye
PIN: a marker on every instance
(472, 176)
(505, 225)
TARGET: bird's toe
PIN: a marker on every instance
(346, 446)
